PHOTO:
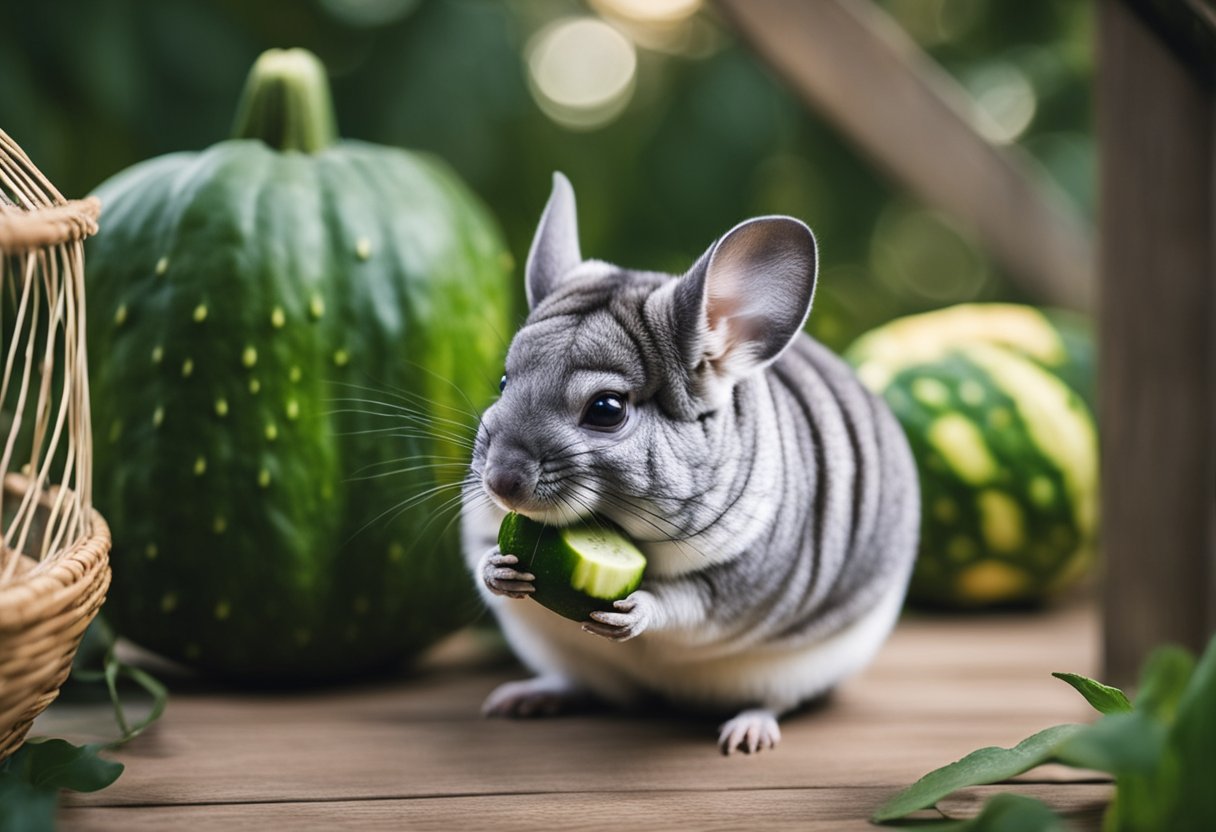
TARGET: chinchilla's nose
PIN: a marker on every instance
(511, 479)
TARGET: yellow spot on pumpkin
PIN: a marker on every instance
(1042, 491)
(341, 358)
(971, 392)
(930, 392)
(1001, 521)
(278, 317)
(992, 581)
(316, 307)
(221, 407)
(293, 409)
(255, 386)
(151, 551)
(158, 354)
(200, 313)
(220, 524)
(200, 466)
(250, 356)
(187, 367)
(945, 510)
(162, 266)
(294, 373)
(961, 549)
(120, 315)
(1058, 423)
(272, 431)
(222, 610)
(361, 605)
(875, 376)
(264, 478)
(962, 445)
(168, 602)
(158, 416)
(363, 248)
(999, 418)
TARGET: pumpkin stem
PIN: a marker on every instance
(286, 102)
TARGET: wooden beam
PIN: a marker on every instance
(1157, 126)
(849, 61)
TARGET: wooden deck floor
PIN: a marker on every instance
(416, 755)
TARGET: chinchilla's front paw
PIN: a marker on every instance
(501, 578)
(634, 615)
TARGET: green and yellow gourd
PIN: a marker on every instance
(993, 398)
(272, 320)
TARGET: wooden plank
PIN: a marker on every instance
(849, 61)
(804, 809)
(1158, 346)
(944, 686)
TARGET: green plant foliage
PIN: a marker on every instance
(30, 781)
(1005, 813)
(988, 765)
(1104, 698)
(1161, 751)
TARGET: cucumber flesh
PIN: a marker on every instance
(579, 569)
(607, 565)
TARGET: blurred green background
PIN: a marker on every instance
(671, 130)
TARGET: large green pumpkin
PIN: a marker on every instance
(993, 400)
(289, 338)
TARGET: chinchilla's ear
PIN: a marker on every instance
(746, 299)
(554, 252)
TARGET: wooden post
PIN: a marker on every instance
(1157, 261)
(851, 63)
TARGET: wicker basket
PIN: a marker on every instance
(54, 568)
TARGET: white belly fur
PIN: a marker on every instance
(778, 679)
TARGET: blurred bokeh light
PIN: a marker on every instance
(582, 71)
(670, 128)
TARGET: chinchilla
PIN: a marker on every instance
(775, 498)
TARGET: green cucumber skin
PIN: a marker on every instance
(523, 538)
(296, 580)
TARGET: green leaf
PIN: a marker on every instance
(1119, 744)
(30, 781)
(1005, 813)
(1103, 698)
(1193, 744)
(988, 765)
(57, 764)
(1163, 680)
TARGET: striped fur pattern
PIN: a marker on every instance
(774, 496)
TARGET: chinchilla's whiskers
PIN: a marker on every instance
(672, 533)
(444, 458)
(405, 505)
(400, 412)
(414, 398)
(409, 432)
(431, 466)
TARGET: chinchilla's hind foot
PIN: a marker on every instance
(542, 696)
(751, 731)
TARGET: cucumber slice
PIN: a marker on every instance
(578, 569)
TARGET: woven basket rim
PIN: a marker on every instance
(24, 597)
(45, 226)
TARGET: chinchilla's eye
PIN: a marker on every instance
(502, 383)
(605, 411)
